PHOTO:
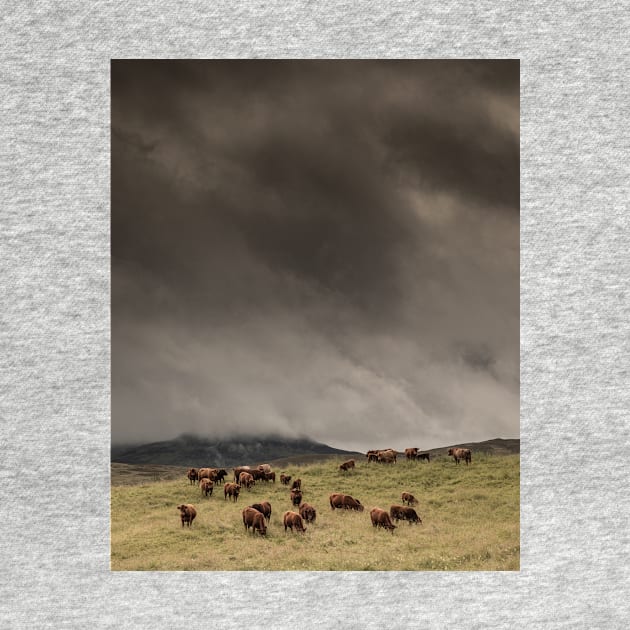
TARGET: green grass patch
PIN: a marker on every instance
(470, 521)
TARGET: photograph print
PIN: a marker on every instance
(315, 315)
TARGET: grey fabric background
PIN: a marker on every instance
(54, 334)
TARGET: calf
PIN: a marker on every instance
(285, 479)
(293, 520)
(206, 486)
(409, 499)
(347, 465)
(192, 475)
(296, 497)
(270, 477)
(297, 484)
(221, 475)
(308, 513)
(380, 518)
(264, 508)
(254, 519)
(231, 490)
(403, 513)
(187, 513)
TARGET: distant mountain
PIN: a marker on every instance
(190, 450)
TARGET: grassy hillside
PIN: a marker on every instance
(470, 521)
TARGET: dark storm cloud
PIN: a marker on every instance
(324, 248)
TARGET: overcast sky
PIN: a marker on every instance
(319, 248)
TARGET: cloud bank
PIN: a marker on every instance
(320, 248)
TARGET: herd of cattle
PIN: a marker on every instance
(258, 515)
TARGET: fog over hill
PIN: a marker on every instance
(315, 247)
(189, 450)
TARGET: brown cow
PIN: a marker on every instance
(404, 513)
(293, 520)
(254, 519)
(411, 453)
(380, 518)
(203, 473)
(206, 486)
(270, 477)
(238, 470)
(372, 456)
(297, 484)
(232, 490)
(344, 502)
(192, 475)
(409, 499)
(187, 513)
(461, 453)
(296, 497)
(347, 465)
(246, 480)
(387, 456)
(285, 479)
(257, 475)
(264, 508)
(308, 513)
(266, 468)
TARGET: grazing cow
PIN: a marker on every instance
(380, 518)
(238, 470)
(187, 513)
(347, 465)
(411, 453)
(266, 468)
(264, 508)
(221, 475)
(296, 497)
(404, 513)
(372, 456)
(206, 486)
(246, 480)
(297, 484)
(285, 479)
(254, 519)
(409, 499)
(231, 490)
(192, 475)
(308, 513)
(293, 520)
(270, 477)
(461, 453)
(344, 502)
(425, 456)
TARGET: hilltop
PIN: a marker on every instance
(190, 450)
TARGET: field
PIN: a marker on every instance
(470, 520)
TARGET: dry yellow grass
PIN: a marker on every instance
(470, 521)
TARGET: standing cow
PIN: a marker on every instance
(264, 508)
(409, 499)
(347, 465)
(461, 453)
(411, 453)
(296, 497)
(231, 490)
(285, 479)
(206, 486)
(192, 475)
(187, 513)
(308, 513)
